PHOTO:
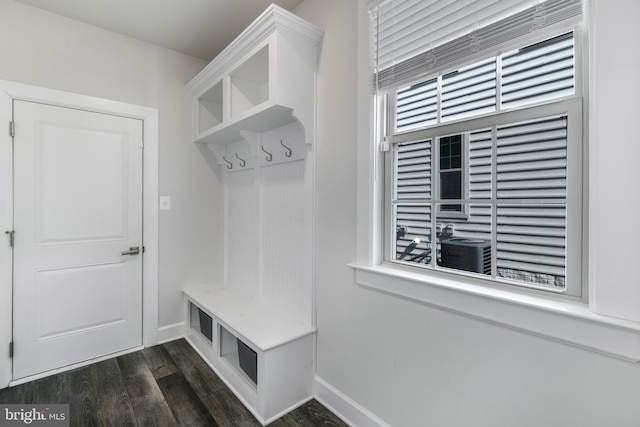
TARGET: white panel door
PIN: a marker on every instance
(77, 208)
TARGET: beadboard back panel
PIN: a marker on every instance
(285, 242)
(268, 222)
(242, 236)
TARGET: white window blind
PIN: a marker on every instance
(411, 37)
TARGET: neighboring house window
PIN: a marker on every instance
(452, 171)
(484, 151)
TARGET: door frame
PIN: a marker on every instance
(149, 116)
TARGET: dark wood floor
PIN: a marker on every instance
(165, 385)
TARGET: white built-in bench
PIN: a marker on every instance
(279, 377)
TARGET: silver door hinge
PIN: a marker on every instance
(10, 234)
(11, 349)
(12, 129)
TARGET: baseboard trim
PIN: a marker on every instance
(170, 332)
(344, 407)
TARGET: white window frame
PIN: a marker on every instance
(575, 323)
(569, 106)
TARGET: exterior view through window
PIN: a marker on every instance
(484, 170)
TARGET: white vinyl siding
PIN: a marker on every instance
(480, 161)
(542, 71)
(413, 162)
(532, 160)
(531, 237)
(469, 91)
(532, 244)
(417, 105)
(413, 182)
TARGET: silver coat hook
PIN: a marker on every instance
(242, 162)
(288, 152)
(229, 164)
(269, 156)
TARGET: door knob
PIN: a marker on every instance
(135, 250)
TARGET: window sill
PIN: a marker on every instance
(568, 322)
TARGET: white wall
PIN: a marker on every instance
(615, 109)
(410, 364)
(43, 49)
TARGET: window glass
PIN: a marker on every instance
(536, 73)
(532, 170)
(413, 233)
(412, 166)
(532, 159)
(531, 243)
(507, 220)
(417, 105)
(469, 91)
(466, 245)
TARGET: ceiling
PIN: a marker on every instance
(201, 28)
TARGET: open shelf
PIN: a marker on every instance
(200, 323)
(210, 108)
(264, 117)
(244, 362)
(250, 83)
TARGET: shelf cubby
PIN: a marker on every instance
(210, 108)
(250, 83)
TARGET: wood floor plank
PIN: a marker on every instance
(228, 411)
(186, 406)
(23, 393)
(222, 404)
(100, 397)
(200, 375)
(312, 413)
(147, 400)
(159, 361)
(165, 385)
(83, 401)
(54, 390)
(132, 364)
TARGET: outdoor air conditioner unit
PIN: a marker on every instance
(467, 254)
